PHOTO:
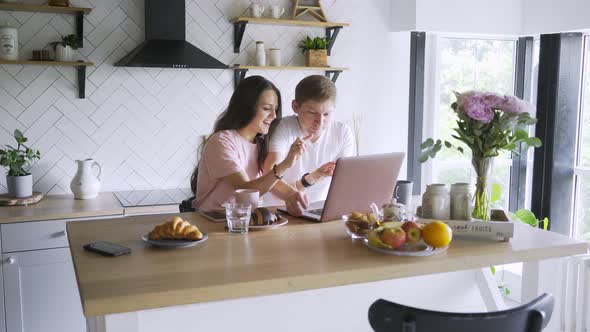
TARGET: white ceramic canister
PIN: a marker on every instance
(436, 202)
(8, 43)
(85, 184)
(274, 57)
(461, 201)
(260, 54)
(64, 53)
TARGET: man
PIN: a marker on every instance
(324, 140)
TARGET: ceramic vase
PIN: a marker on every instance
(64, 53)
(86, 184)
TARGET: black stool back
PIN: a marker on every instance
(187, 205)
(385, 316)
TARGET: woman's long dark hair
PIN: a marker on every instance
(241, 111)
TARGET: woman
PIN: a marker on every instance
(234, 155)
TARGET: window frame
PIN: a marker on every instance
(432, 93)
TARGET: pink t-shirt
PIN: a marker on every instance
(225, 153)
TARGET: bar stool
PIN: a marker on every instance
(385, 316)
(187, 205)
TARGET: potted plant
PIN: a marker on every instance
(315, 50)
(18, 160)
(64, 48)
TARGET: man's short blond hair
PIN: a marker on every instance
(315, 87)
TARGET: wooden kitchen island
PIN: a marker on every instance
(238, 277)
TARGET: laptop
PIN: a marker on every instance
(357, 182)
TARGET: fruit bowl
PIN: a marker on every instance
(356, 228)
(409, 238)
(420, 249)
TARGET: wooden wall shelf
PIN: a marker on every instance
(240, 23)
(274, 21)
(79, 12)
(80, 68)
(46, 9)
(240, 71)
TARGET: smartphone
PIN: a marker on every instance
(214, 215)
(107, 248)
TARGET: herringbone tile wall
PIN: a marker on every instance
(143, 125)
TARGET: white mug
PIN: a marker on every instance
(276, 11)
(256, 10)
(247, 196)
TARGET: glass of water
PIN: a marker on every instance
(238, 217)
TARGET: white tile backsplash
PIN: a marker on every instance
(144, 124)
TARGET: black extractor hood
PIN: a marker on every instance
(165, 44)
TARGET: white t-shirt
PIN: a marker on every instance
(335, 141)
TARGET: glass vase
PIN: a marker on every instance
(481, 206)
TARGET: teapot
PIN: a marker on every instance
(394, 211)
(86, 184)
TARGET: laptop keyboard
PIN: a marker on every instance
(317, 212)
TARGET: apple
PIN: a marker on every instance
(394, 237)
(413, 231)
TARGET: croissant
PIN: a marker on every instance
(176, 229)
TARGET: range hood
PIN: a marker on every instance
(165, 44)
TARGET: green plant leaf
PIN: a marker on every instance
(496, 193)
(427, 143)
(534, 141)
(493, 269)
(424, 156)
(545, 223)
(527, 216)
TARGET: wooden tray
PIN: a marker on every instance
(6, 200)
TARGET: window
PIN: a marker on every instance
(463, 64)
(582, 168)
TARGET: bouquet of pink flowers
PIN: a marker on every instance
(487, 123)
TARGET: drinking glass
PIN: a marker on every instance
(238, 217)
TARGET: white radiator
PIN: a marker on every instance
(575, 295)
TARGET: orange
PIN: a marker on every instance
(437, 234)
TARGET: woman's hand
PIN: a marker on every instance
(296, 203)
(295, 152)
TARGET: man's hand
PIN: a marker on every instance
(325, 170)
(296, 203)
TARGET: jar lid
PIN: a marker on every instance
(259, 42)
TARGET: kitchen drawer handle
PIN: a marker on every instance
(11, 260)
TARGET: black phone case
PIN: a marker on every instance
(123, 251)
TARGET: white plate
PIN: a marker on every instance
(174, 243)
(420, 249)
(281, 222)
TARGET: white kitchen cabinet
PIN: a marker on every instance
(2, 317)
(41, 293)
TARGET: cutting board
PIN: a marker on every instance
(6, 200)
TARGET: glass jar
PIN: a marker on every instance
(436, 202)
(461, 201)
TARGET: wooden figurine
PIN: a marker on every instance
(313, 8)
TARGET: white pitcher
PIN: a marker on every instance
(85, 184)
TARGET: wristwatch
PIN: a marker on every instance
(304, 183)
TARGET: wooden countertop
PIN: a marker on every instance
(62, 207)
(295, 257)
